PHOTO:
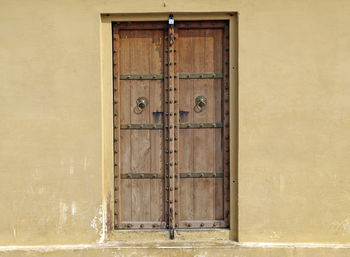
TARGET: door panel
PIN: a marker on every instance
(141, 199)
(201, 149)
(172, 154)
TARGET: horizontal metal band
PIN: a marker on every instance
(201, 75)
(182, 126)
(141, 76)
(205, 75)
(218, 174)
(200, 125)
(141, 126)
(142, 175)
(188, 224)
(140, 225)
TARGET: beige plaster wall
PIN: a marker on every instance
(294, 114)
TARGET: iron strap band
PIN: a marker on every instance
(182, 126)
(218, 174)
(202, 75)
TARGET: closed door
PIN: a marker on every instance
(171, 125)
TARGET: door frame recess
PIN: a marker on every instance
(106, 49)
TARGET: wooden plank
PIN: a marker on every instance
(156, 56)
(139, 42)
(185, 46)
(217, 87)
(203, 140)
(125, 136)
(154, 25)
(199, 24)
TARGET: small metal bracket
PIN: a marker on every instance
(171, 20)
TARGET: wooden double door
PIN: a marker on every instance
(171, 125)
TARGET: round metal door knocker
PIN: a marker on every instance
(201, 102)
(141, 104)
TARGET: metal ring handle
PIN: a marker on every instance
(201, 102)
(141, 103)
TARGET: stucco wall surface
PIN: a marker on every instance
(294, 120)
